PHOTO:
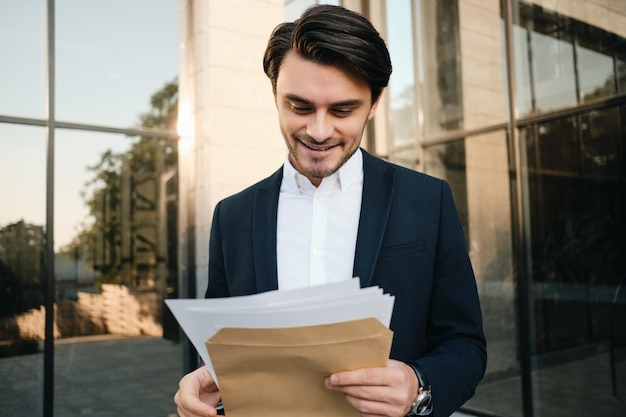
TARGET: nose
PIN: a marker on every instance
(319, 127)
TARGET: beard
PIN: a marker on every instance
(319, 167)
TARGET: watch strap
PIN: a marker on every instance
(424, 388)
(421, 375)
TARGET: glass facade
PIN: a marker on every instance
(540, 189)
(96, 237)
(519, 105)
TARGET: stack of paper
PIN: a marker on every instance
(280, 345)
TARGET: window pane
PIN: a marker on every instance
(440, 49)
(596, 73)
(478, 172)
(553, 70)
(577, 204)
(111, 56)
(402, 82)
(115, 258)
(22, 221)
(447, 161)
(23, 52)
(561, 61)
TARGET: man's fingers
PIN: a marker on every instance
(365, 376)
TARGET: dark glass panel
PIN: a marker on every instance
(620, 63)
(577, 193)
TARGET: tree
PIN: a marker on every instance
(120, 240)
(21, 249)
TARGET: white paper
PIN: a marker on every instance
(200, 319)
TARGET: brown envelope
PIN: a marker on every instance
(281, 372)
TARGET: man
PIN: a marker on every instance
(333, 212)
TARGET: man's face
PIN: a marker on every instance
(322, 112)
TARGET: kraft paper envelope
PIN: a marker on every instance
(280, 372)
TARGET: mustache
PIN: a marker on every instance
(309, 141)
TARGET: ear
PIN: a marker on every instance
(375, 105)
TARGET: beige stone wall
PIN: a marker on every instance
(235, 139)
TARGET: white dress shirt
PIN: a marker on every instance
(317, 227)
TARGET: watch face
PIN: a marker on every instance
(423, 403)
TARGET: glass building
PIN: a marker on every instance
(123, 123)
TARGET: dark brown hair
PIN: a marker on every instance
(332, 35)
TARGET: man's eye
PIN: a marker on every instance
(300, 109)
(342, 112)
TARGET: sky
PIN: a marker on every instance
(111, 56)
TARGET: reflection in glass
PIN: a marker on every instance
(441, 85)
(447, 161)
(554, 80)
(111, 56)
(114, 251)
(577, 184)
(621, 74)
(478, 173)
(23, 52)
(22, 221)
(523, 76)
(561, 62)
(596, 74)
(402, 82)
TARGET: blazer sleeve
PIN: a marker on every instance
(456, 354)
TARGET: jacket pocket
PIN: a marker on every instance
(411, 248)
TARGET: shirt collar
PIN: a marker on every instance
(351, 171)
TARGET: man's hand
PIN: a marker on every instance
(378, 392)
(197, 394)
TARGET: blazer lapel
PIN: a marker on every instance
(264, 232)
(375, 208)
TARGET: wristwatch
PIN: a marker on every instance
(423, 404)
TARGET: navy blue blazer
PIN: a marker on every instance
(410, 243)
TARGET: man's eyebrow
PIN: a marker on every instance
(345, 103)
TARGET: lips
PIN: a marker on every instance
(318, 148)
(315, 147)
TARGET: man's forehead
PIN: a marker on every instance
(305, 80)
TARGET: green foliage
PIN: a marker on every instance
(21, 249)
(164, 112)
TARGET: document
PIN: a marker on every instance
(269, 353)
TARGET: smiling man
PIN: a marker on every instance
(333, 212)
(323, 111)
